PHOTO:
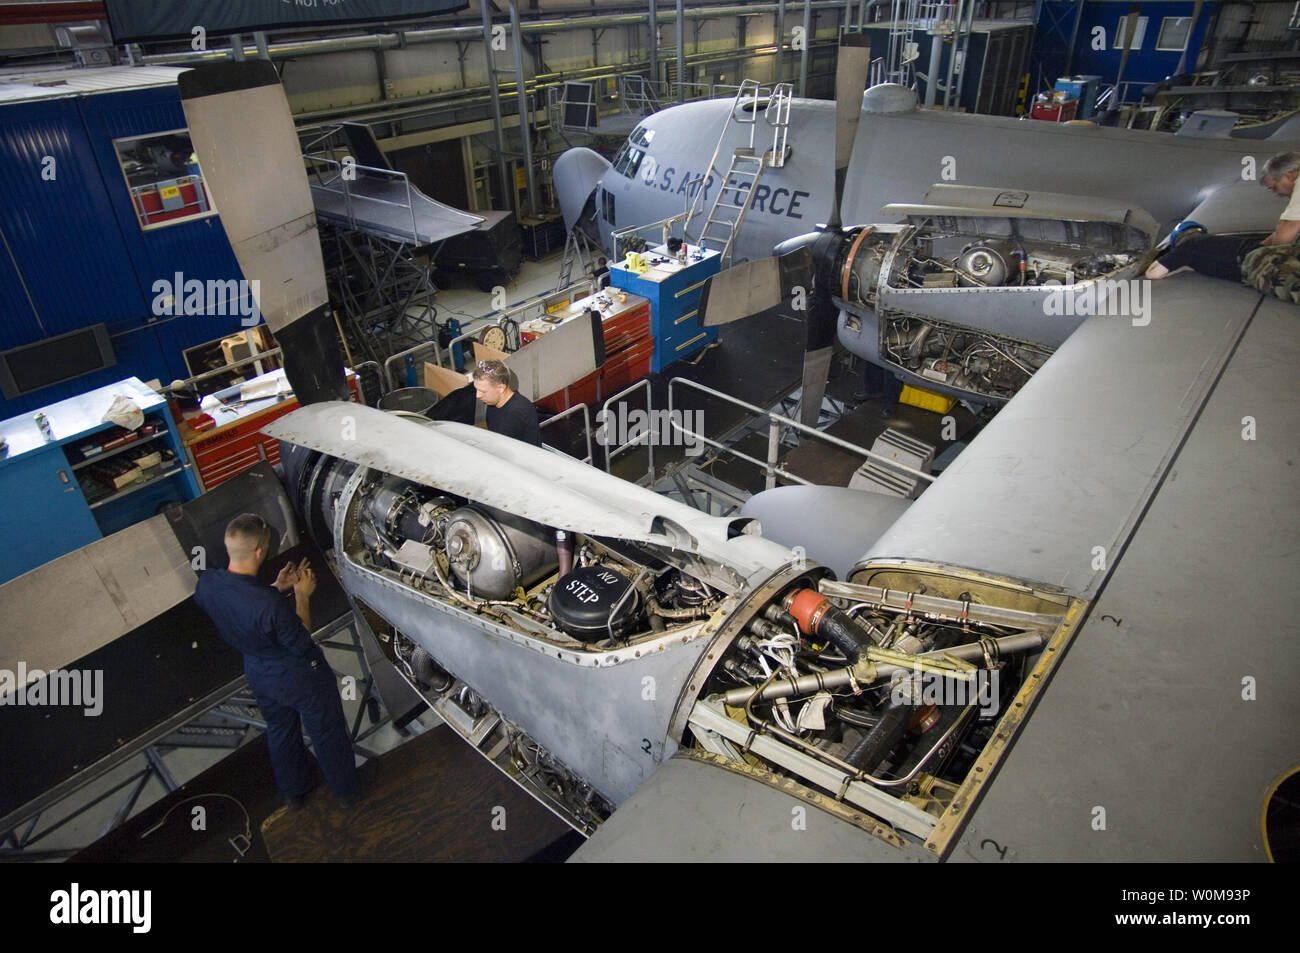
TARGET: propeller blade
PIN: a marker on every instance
(752, 287)
(1129, 30)
(247, 147)
(851, 68)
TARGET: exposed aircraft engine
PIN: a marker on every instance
(889, 698)
(974, 294)
(579, 661)
(960, 357)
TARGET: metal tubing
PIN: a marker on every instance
(773, 451)
(932, 74)
(1074, 38)
(521, 91)
(604, 416)
(586, 425)
(437, 357)
(952, 54)
(807, 42)
(220, 370)
(965, 48)
(399, 40)
(787, 422)
(681, 52)
(782, 687)
(653, 27)
(490, 60)
(780, 42)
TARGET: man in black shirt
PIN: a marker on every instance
(507, 412)
(286, 670)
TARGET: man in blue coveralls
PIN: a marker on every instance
(286, 670)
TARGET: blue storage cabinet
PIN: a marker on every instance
(674, 293)
(51, 512)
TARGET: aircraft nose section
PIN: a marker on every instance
(576, 173)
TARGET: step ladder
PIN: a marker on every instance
(577, 247)
(731, 202)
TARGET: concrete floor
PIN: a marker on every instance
(463, 299)
(185, 764)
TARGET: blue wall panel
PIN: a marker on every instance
(1145, 64)
(63, 234)
(80, 247)
(17, 319)
(197, 249)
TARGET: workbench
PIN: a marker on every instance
(235, 441)
(54, 505)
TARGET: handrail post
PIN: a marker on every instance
(773, 450)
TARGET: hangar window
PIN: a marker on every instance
(1121, 31)
(163, 178)
(1173, 33)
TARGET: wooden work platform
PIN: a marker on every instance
(431, 799)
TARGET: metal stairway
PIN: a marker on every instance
(732, 200)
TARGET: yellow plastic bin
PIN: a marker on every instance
(926, 400)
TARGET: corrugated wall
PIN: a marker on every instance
(79, 248)
(197, 249)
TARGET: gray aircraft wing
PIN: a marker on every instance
(1175, 709)
(1147, 470)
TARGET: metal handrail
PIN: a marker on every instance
(665, 225)
(775, 423)
(437, 355)
(717, 149)
(589, 459)
(349, 195)
(646, 436)
(251, 359)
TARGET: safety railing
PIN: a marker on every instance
(876, 73)
(694, 92)
(776, 422)
(639, 94)
(337, 176)
(225, 368)
(402, 355)
(608, 433)
(586, 428)
(658, 231)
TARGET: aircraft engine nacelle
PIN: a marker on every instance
(977, 289)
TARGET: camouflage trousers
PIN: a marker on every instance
(1274, 270)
